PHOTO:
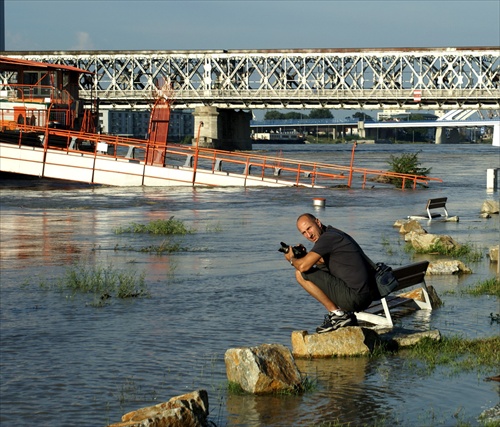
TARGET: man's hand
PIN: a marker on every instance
(304, 263)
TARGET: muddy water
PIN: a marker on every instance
(65, 362)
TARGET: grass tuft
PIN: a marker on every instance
(159, 227)
(102, 282)
(486, 287)
(458, 353)
(467, 251)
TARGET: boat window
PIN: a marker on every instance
(38, 82)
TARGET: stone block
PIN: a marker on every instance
(348, 341)
(265, 369)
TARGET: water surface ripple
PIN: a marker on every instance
(65, 362)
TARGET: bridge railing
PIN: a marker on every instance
(372, 96)
(250, 165)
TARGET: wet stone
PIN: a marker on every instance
(189, 409)
(268, 368)
(348, 341)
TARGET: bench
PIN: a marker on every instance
(433, 204)
(379, 312)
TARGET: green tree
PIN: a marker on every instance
(293, 115)
(273, 115)
(362, 116)
(321, 113)
(407, 163)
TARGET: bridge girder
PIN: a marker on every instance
(447, 78)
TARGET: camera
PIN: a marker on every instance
(298, 251)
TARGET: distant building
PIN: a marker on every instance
(135, 123)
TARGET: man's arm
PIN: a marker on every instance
(304, 263)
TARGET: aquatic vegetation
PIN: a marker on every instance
(102, 282)
(166, 246)
(467, 251)
(460, 354)
(486, 287)
(159, 226)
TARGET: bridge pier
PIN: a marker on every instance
(223, 129)
(496, 135)
(442, 137)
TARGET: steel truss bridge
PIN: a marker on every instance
(426, 78)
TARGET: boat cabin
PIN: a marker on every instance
(39, 94)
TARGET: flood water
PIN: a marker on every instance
(66, 362)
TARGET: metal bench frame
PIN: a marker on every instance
(433, 204)
(379, 312)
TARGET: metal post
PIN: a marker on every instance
(196, 152)
(352, 164)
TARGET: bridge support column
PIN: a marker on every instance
(496, 135)
(223, 129)
(447, 135)
(361, 129)
(439, 135)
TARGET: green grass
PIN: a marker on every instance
(486, 287)
(466, 252)
(158, 227)
(102, 282)
(166, 246)
(457, 353)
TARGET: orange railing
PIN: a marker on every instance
(295, 172)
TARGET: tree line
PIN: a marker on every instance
(319, 113)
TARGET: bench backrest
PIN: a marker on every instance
(437, 203)
(410, 275)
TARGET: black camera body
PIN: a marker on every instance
(298, 251)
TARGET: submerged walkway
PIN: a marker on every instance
(118, 161)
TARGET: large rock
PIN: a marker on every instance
(187, 410)
(412, 226)
(490, 207)
(348, 341)
(425, 242)
(448, 267)
(494, 253)
(265, 369)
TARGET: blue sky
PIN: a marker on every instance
(232, 24)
